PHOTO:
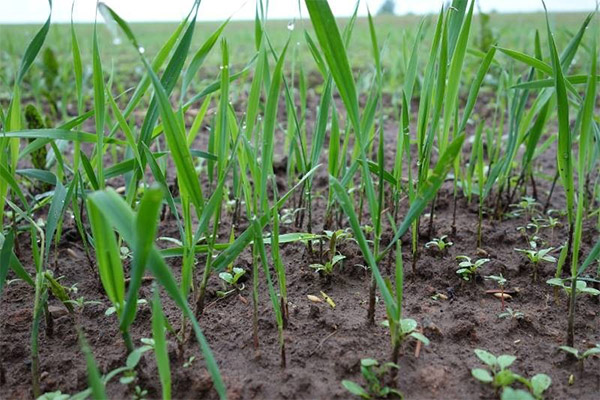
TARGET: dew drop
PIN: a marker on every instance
(116, 41)
(291, 25)
(141, 50)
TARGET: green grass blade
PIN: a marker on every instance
(161, 351)
(60, 202)
(98, 391)
(108, 258)
(428, 189)
(346, 204)
(146, 226)
(454, 72)
(565, 141)
(59, 134)
(34, 48)
(332, 46)
(99, 106)
(242, 241)
(475, 87)
(199, 58)
(455, 22)
(269, 128)
(6, 252)
(334, 53)
(118, 213)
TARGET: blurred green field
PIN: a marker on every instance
(515, 31)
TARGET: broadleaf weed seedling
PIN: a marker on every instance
(581, 356)
(581, 287)
(231, 281)
(536, 256)
(373, 374)
(526, 206)
(512, 314)
(327, 268)
(501, 282)
(442, 243)
(501, 377)
(467, 268)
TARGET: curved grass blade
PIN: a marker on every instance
(94, 380)
(6, 252)
(120, 216)
(107, 256)
(428, 190)
(99, 106)
(346, 204)
(146, 225)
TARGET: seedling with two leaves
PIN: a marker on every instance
(501, 282)
(231, 281)
(512, 314)
(467, 268)
(441, 244)
(581, 286)
(373, 373)
(582, 356)
(536, 256)
(527, 205)
(327, 268)
(408, 329)
(501, 377)
(334, 257)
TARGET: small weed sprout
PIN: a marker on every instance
(581, 356)
(581, 287)
(373, 373)
(112, 309)
(189, 362)
(80, 303)
(231, 281)
(536, 256)
(408, 329)
(514, 315)
(467, 268)
(440, 243)
(501, 282)
(527, 205)
(548, 222)
(326, 268)
(501, 377)
(288, 215)
(58, 395)
(140, 394)
(497, 373)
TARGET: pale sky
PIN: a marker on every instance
(23, 11)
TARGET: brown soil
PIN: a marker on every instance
(325, 345)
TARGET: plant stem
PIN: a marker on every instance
(431, 212)
(480, 215)
(128, 342)
(35, 330)
(571, 318)
(255, 296)
(547, 205)
(371, 311)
